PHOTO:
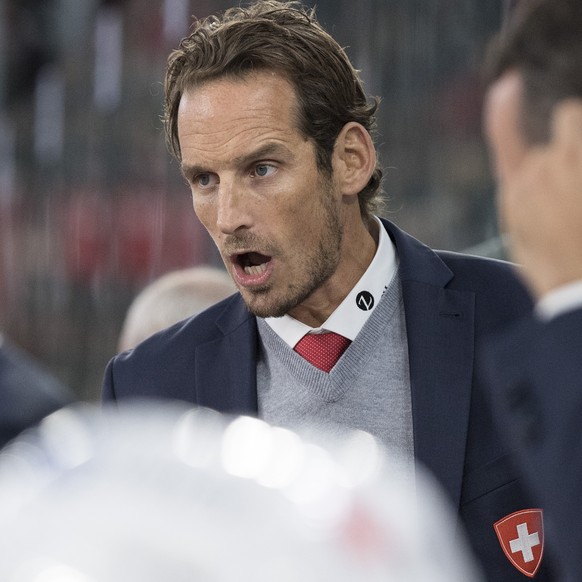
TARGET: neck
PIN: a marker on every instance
(358, 249)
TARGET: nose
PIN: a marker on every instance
(233, 212)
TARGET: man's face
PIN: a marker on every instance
(539, 186)
(502, 127)
(256, 187)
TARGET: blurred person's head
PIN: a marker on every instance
(283, 38)
(534, 64)
(171, 298)
(165, 492)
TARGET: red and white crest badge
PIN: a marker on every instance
(521, 535)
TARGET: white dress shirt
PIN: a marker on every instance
(561, 300)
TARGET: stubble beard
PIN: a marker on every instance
(319, 267)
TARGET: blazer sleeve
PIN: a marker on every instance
(108, 389)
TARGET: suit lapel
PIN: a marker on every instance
(440, 347)
(226, 366)
(440, 328)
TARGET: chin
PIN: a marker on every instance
(260, 306)
(264, 311)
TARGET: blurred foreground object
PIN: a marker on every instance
(171, 298)
(151, 492)
(27, 393)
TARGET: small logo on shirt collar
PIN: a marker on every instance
(365, 300)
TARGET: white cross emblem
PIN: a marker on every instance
(524, 552)
(524, 542)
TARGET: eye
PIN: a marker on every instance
(264, 170)
(205, 180)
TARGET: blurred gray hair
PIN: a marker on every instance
(172, 298)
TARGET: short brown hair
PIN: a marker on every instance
(542, 41)
(283, 37)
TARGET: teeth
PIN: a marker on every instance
(256, 269)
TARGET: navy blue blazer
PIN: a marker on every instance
(451, 302)
(27, 393)
(535, 373)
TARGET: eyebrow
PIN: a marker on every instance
(265, 151)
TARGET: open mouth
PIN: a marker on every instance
(252, 263)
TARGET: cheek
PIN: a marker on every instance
(206, 212)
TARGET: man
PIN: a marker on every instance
(533, 119)
(272, 128)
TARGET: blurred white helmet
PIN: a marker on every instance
(156, 492)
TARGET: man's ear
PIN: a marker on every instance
(354, 158)
(567, 123)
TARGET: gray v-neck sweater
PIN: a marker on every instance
(368, 388)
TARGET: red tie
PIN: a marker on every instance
(322, 350)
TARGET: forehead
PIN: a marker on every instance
(503, 105)
(228, 112)
(262, 84)
(503, 125)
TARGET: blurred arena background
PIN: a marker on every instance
(92, 208)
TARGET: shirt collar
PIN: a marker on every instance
(352, 313)
(561, 300)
